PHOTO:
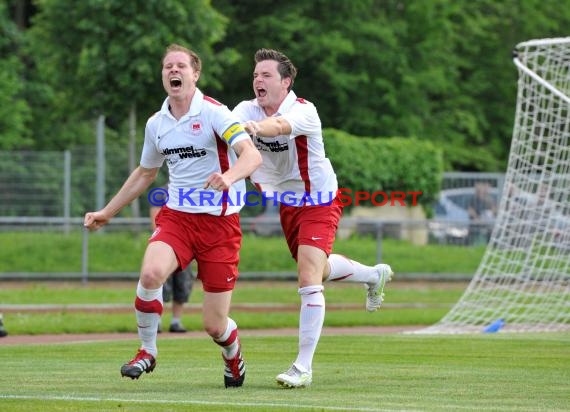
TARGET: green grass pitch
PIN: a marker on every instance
(387, 372)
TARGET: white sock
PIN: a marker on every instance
(175, 321)
(311, 321)
(148, 310)
(229, 341)
(344, 269)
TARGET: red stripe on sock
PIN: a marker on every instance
(230, 340)
(148, 306)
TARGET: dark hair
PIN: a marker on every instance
(195, 61)
(285, 67)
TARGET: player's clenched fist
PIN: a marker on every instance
(95, 220)
(217, 181)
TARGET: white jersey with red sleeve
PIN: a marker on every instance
(194, 147)
(295, 168)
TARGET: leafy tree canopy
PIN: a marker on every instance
(103, 56)
(14, 109)
(437, 70)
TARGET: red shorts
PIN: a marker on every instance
(214, 241)
(310, 225)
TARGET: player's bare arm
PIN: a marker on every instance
(269, 127)
(134, 186)
(249, 159)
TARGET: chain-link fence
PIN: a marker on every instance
(50, 190)
(57, 184)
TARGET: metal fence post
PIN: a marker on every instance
(66, 190)
(100, 159)
(85, 256)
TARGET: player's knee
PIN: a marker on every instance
(309, 278)
(151, 277)
(214, 330)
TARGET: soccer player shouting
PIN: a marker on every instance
(199, 139)
(287, 131)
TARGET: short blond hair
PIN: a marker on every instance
(195, 61)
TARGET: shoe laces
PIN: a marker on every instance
(233, 364)
(294, 371)
(141, 354)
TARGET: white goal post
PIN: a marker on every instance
(523, 281)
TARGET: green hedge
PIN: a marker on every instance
(361, 163)
(385, 164)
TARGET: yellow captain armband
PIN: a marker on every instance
(232, 132)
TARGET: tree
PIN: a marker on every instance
(14, 110)
(439, 70)
(103, 56)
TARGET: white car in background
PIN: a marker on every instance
(451, 222)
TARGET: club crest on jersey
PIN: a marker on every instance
(196, 128)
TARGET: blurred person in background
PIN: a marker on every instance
(3, 331)
(208, 155)
(482, 210)
(482, 206)
(287, 131)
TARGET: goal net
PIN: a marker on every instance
(523, 281)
